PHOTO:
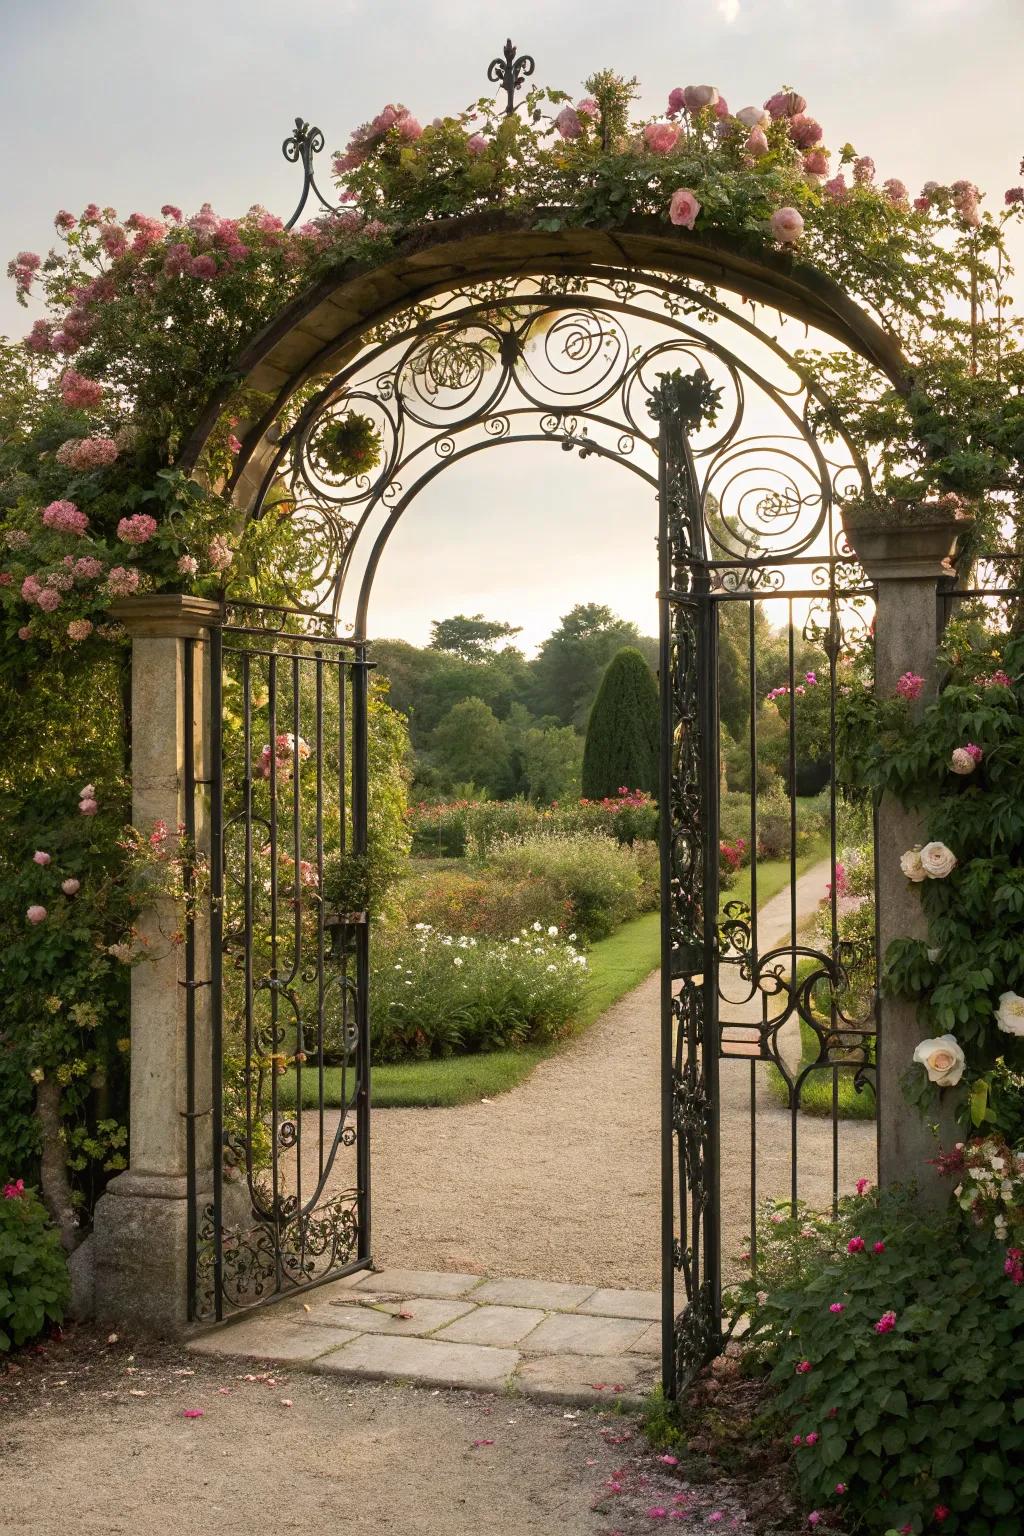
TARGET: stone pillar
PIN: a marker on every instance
(141, 1222)
(906, 565)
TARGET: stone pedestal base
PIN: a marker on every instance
(140, 1240)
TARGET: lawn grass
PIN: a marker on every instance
(816, 1091)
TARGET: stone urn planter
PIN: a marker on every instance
(905, 538)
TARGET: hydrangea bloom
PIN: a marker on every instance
(122, 581)
(84, 453)
(48, 599)
(64, 517)
(138, 529)
(220, 553)
(79, 629)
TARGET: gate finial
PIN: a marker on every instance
(509, 72)
(691, 396)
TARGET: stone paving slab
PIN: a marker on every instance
(624, 1304)
(424, 1360)
(503, 1326)
(462, 1331)
(585, 1379)
(649, 1342)
(564, 1333)
(268, 1338)
(426, 1315)
(550, 1295)
(418, 1282)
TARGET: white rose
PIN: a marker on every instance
(753, 117)
(933, 955)
(961, 761)
(1010, 1014)
(942, 1059)
(910, 863)
(937, 860)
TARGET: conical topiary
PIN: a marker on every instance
(621, 748)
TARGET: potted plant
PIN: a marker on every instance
(919, 532)
(346, 888)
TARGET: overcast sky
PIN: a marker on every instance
(136, 103)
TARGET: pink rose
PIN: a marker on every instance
(896, 192)
(36, 914)
(757, 144)
(753, 117)
(661, 137)
(477, 145)
(816, 162)
(787, 225)
(39, 857)
(588, 107)
(837, 188)
(785, 104)
(568, 123)
(804, 131)
(697, 97)
(88, 806)
(71, 887)
(676, 101)
(684, 208)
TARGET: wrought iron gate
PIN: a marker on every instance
(287, 1159)
(728, 994)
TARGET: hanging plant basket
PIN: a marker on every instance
(350, 445)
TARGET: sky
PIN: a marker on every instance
(134, 103)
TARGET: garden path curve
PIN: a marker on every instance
(559, 1178)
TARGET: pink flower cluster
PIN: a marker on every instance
(64, 517)
(84, 453)
(394, 119)
(909, 686)
(1014, 1265)
(14, 1191)
(964, 760)
(286, 747)
(220, 553)
(122, 581)
(23, 269)
(88, 805)
(886, 1323)
(138, 529)
(80, 393)
(997, 680)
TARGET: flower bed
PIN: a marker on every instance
(470, 827)
(433, 994)
(604, 883)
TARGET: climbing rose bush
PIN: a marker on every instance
(34, 1286)
(895, 1346)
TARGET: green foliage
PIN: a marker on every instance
(605, 882)
(479, 902)
(572, 660)
(621, 749)
(972, 954)
(471, 827)
(471, 639)
(437, 995)
(921, 1414)
(34, 1284)
(472, 745)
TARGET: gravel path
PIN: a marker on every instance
(560, 1177)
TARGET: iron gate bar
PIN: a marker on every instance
(296, 1240)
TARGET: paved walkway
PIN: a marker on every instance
(557, 1342)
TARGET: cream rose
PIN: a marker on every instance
(937, 861)
(910, 863)
(753, 117)
(1010, 1014)
(942, 1059)
(962, 761)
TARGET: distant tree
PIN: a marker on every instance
(470, 637)
(622, 732)
(552, 763)
(571, 661)
(469, 746)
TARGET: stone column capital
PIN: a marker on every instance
(167, 615)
